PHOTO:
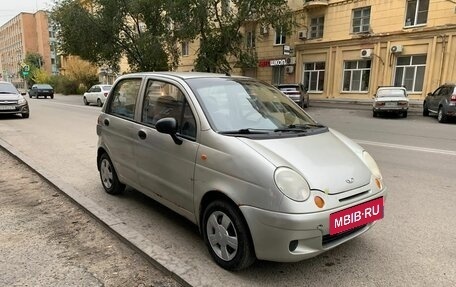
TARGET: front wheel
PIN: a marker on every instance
(25, 115)
(227, 236)
(425, 110)
(84, 99)
(108, 175)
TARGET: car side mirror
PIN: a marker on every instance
(429, 94)
(168, 126)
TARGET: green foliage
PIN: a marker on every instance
(39, 76)
(148, 32)
(34, 60)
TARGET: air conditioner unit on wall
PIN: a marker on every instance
(291, 61)
(289, 69)
(302, 35)
(396, 49)
(365, 53)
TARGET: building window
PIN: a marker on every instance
(316, 27)
(184, 48)
(361, 19)
(314, 76)
(280, 37)
(417, 11)
(410, 72)
(356, 76)
(278, 73)
(250, 39)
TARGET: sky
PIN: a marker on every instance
(10, 8)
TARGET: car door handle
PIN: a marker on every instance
(142, 135)
(106, 122)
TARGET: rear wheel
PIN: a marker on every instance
(227, 236)
(99, 103)
(108, 175)
(425, 110)
(441, 117)
(404, 114)
(374, 114)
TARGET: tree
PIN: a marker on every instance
(218, 25)
(101, 31)
(34, 60)
(147, 32)
(81, 72)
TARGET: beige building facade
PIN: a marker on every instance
(26, 33)
(347, 48)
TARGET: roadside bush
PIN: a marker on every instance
(63, 85)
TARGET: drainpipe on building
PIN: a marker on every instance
(442, 59)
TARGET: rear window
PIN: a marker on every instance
(391, 93)
(289, 88)
(43, 86)
(106, 88)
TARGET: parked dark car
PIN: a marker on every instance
(442, 102)
(296, 92)
(41, 90)
(11, 101)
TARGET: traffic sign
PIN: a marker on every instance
(26, 68)
(25, 73)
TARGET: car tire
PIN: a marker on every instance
(224, 220)
(30, 96)
(99, 103)
(25, 115)
(425, 110)
(404, 114)
(374, 114)
(84, 99)
(441, 117)
(52, 96)
(108, 176)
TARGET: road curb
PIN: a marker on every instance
(159, 257)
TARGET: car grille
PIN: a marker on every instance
(4, 102)
(331, 238)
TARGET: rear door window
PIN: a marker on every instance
(125, 96)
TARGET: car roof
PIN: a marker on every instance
(185, 75)
(288, 85)
(391, 88)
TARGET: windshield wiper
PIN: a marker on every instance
(299, 128)
(245, 132)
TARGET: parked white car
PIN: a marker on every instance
(390, 100)
(97, 94)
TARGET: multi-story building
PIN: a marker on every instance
(26, 33)
(347, 48)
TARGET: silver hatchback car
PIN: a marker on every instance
(259, 176)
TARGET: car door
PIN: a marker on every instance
(166, 169)
(435, 99)
(119, 129)
(94, 94)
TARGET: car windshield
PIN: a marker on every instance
(248, 106)
(7, 88)
(43, 86)
(390, 93)
(106, 88)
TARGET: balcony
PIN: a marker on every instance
(310, 4)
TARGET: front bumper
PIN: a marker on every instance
(14, 109)
(275, 233)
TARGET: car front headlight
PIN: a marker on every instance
(373, 167)
(291, 184)
(21, 101)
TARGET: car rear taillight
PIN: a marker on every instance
(379, 104)
(402, 103)
(453, 98)
(105, 94)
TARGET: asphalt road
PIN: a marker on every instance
(414, 245)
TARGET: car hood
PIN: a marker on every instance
(327, 161)
(9, 97)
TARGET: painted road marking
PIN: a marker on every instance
(407, 147)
